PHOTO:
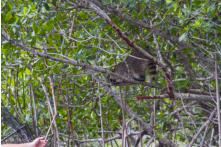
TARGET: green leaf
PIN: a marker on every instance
(183, 37)
(35, 28)
(27, 71)
(197, 23)
(8, 16)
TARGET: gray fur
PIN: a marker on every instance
(133, 68)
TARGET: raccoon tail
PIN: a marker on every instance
(152, 70)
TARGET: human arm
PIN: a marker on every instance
(38, 142)
(16, 145)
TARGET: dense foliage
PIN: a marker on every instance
(56, 56)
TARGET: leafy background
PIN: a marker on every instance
(184, 35)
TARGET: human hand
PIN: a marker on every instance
(39, 142)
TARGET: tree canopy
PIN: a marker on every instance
(56, 57)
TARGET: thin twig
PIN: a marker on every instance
(46, 95)
(8, 96)
(31, 107)
(101, 117)
(35, 111)
(46, 136)
(183, 96)
(154, 117)
(23, 92)
(211, 137)
(182, 125)
(72, 25)
(55, 107)
(67, 106)
(218, 104)
(201, 128)
(204, 135)
(16, 81)
(124, 122)
(16, 107)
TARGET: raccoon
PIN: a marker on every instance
(133, 68)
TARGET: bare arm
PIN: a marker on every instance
(38, 142)
(16, 145)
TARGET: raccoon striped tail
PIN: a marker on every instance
(152, 70)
